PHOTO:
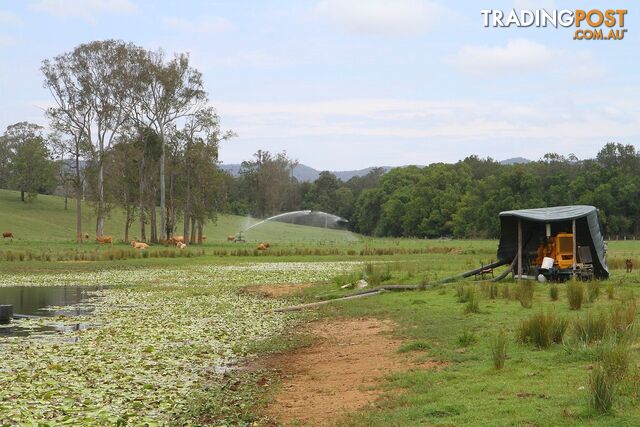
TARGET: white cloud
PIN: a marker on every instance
(523, 56)
(519, 55)
(205, 25)
(9, 18)
(87, 10)
(383, 17)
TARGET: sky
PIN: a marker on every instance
(347, 84)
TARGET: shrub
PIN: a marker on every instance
(499, 349)
(593, 290)
(554, 292)
(473, 300)
(602, 385)
(542, 330)
(575, 294)
(466, 339)
(591, 328)
(524, 293)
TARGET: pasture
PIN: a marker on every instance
(185, 339)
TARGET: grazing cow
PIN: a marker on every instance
(176, 239)
(231, 238)
(629, 263)
(204, 238)
(181, 245)
(104, 239)
(139, 245)
(266, 245)
(262, 247)
(7, 235)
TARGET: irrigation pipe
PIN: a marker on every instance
(380, 289)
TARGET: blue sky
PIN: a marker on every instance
(345, 84)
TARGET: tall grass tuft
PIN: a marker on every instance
(499, 349)
(466, 339)
(542, 330)
(505, 294)
(593, 290)
(591, 328)
(622, 320)
(575, 294)
(614, 358)
(524, 293)
(611, 294)
(554, 292)
(473, 302)
(602, 385)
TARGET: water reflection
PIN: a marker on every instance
(46, 301)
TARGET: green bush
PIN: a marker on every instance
(575, 294)
(499, 349)
(602, 385)
(542, 330)
(554, 292)
(591, 328)
(524, 293)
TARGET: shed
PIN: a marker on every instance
(527, 228)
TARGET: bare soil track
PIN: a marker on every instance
(339, 373)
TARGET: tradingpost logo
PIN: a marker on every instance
(593, 24)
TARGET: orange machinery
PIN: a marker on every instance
(558, 247)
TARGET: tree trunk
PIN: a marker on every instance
(153, 225)
(192, 239)
(22, 195)
(79, 236)
(143, 232)
(200, 229)
(171, 227)
(187, 207)
(127, 224)
(66, 200)
(100, 218)
(163, 201)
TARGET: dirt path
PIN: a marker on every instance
(337, 374)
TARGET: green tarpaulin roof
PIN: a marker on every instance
(556, 213)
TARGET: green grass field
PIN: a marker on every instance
(167, 318)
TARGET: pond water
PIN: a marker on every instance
(46, 301)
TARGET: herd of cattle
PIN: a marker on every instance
(177, 241)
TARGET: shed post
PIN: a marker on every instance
(573, 230)
(519, 248)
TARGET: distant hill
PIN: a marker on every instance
(515, 161)
(306, 173)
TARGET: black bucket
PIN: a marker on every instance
(6, 313)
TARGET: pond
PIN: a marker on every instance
(46, 301)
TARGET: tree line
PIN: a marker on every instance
(459, 200)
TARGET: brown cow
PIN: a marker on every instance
(629, 263)
(104, 239)
(262, 247)
(139, 245)
(231, 238)
(7, 235)
(176, 239)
